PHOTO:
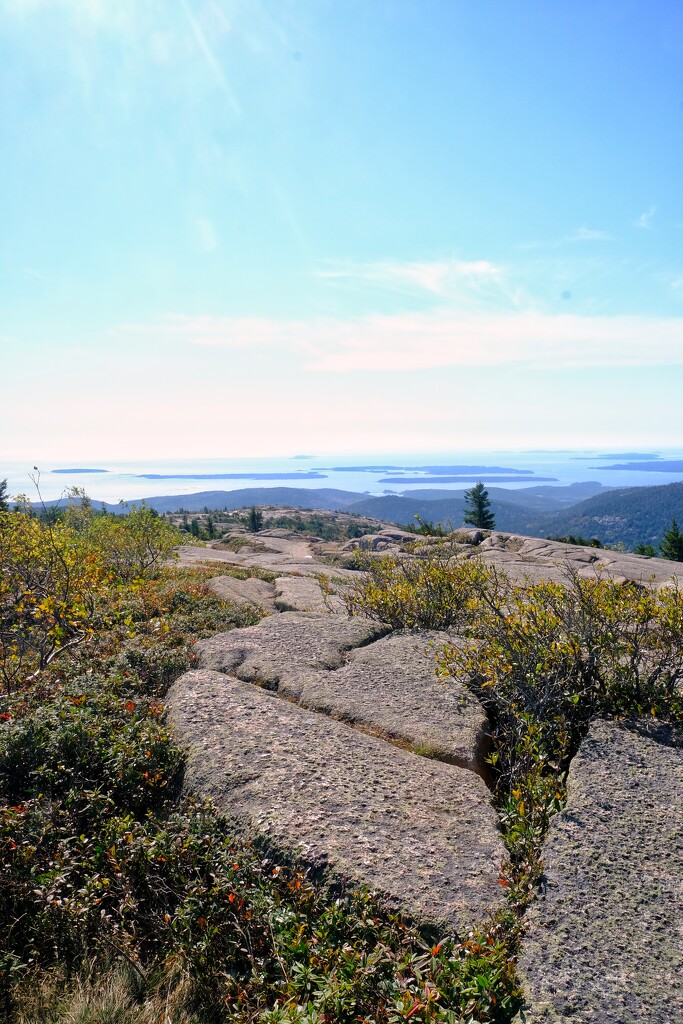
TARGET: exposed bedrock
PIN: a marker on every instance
(304, 594)
(344, 668)
(390, 688)
(605, 940)
(420, 832)
(537, 559)
(281, 648)
(252, 591)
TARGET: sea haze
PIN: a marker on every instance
(378, 473)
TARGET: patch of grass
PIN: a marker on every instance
(210, 568)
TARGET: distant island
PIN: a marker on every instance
(657, 466)
(80, 470)
(300, 474)
(617, 455)
(437, 470)
(465, 478)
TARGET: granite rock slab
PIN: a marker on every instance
(538, 559)
(304, 594)
(253, 592)
(421, 833)
(390, 688)
(278, 651)
(388, 541)
(605, 938)
(346, 669)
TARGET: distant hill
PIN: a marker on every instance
(514, 509)
(289, 497)
(625, 515)
(510, 516)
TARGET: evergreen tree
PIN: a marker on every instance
(4, 504)
(194, 527)
(478, 508)
(255, 519)
(672, 543)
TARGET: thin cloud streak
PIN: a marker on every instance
(420, 341)
(580, 234)
(211, 59)
(589, 235)
(645, 220)
(473, 284)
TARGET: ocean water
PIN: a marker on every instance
(376, 473)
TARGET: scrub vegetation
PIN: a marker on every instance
(119, 901)
(544, 659)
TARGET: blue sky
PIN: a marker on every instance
(239, 227)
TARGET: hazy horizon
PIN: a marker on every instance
(376, 472)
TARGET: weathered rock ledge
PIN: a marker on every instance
(422, 833)
(344, 668)
(605, 939)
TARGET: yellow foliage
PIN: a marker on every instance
(53, 572)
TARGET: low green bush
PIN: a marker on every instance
(427, 591)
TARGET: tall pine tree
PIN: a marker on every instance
(478, 508)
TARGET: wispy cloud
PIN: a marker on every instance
(645, 219)
(580, 234)
(212, 61)
(676, 285)
(421, 341)
(584, 234)
(94, 14)
(462, 283)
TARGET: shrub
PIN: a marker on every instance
(430, 591)
(49, 582)
(104, 873)
(133, 545)
(545, 659)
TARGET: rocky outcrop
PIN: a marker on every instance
(537, 559)
(605, 938)
(387, 687)
(305, 594)
(422, 833)
(390, 689)
(278, 652)
(253, 592)
(302, 757)
(391, 540)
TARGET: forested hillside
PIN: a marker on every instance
(629, 516)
